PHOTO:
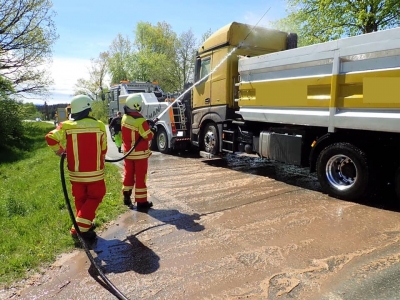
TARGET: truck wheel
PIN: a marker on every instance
(344, 172)
(162, 140)
(153, 143)
(210, 140)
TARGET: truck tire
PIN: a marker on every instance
(153, 143)
(162, 140)
(344, 172)
(210, 139)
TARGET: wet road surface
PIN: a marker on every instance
(239, 228)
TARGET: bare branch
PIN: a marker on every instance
(26, 35)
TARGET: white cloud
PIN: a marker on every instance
(65, 73)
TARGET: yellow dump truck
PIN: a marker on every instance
(333, 107)
(62, 114)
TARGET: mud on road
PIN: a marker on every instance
(239, 228)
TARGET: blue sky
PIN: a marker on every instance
(88, 27)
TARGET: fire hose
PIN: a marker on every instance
(152, 123)
(110, 285)
(117, 293)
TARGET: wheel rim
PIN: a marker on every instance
(162, 141)
(341, 172)
(209, 140)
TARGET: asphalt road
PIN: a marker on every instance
(235, 228)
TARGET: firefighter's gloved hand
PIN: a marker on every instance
(154, 129)
(60, 151)
(151, 123)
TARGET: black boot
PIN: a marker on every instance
(127, 198)
(119, 150)
(143, 206)
(87, 235)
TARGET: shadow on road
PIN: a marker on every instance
(115, 256)
(176, 218)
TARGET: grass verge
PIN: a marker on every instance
(34, 217)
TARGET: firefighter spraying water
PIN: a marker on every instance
(171, 129)
(136, 129)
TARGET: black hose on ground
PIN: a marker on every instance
(117, 293)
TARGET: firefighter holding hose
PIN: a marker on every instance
(85, 141)
(136, 131)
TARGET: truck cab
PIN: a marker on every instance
(216, 77)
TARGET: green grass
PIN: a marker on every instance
(34, 218)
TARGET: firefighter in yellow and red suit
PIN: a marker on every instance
(133, 127)
(85, 141)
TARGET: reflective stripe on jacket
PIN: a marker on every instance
(86, 147)
(133, 126)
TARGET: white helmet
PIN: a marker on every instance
(80, 103)
(134, 102)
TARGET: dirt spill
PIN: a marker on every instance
(235, 229)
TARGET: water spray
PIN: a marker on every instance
(113, 288)
(211, 72)
(194, 84)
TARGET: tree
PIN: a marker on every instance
(155, 56)
(206, 35)
(95, 85)
(10, 116)
(186, 55)
(6, 87)
(119, 57)
(318, 21)
(29, 111)
(99, 72)
(159, 39)
(100, 110)
(11, 129)
(27, 33)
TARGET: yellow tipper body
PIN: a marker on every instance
(352, 83)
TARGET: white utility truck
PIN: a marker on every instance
(130, 87)
(172, 126)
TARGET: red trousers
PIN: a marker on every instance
(88, 196)
(135, 177)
